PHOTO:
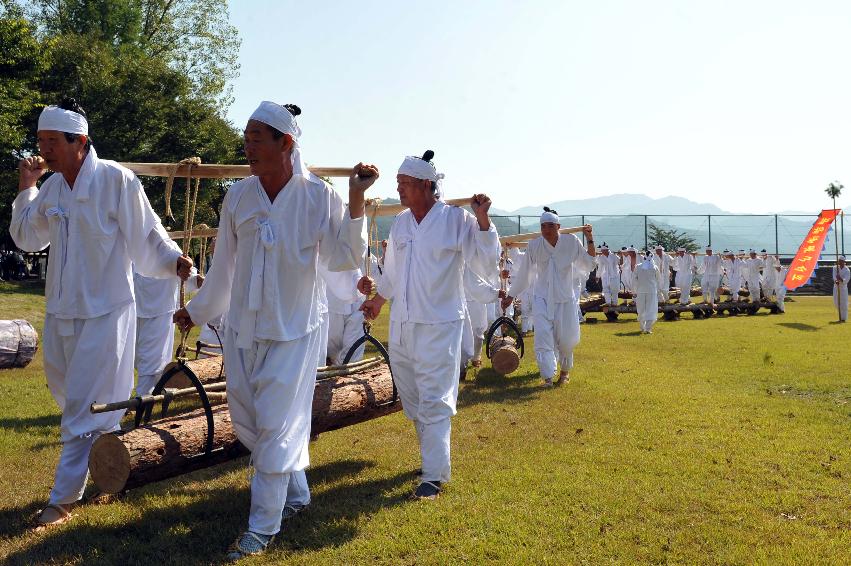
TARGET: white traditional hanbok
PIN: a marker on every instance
(423, 276)
(840, 290)
(95, 232)
(647, 294)
(551, 270)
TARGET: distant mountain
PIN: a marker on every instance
(625, 204)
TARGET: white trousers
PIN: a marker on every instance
(781, 296)
(425, 360)
(611, 286)
(269, 494)
(154, 350)
(555, 339)
(683, 281)
(664, 282)
(709, 284)
(322, 354)
(86, 361)
(343, 331)
(753, 287)
(840, 300)
(270, 398)
(735, 286)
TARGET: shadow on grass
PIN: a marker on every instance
(22, 288)
(199, 532)
(798, 326)
(18, 424)
(491, 387)
(635, 333)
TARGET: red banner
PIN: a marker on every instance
(806, 259)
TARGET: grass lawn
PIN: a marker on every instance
(720, 441)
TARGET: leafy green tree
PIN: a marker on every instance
(21, 65)
(145, 101)
(670, 239)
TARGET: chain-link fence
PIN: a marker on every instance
(779, 234)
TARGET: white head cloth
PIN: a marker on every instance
(752, 251)
(708, 248)
(604, 247)
(681, 249)
(55, 118)
(660, 248)
(630, 249)
(549, 217)
(281, 119)
(422, 169)
(842, 258)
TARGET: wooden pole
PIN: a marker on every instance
(215, 171)
(517, 238)
(378, 209)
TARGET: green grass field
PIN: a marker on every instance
(720, 441)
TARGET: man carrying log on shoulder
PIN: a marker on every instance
(549, 264)
(429, 245)
(97, 221)
(275, 227)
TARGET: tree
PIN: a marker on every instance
(21, 63)
(670, 239)
(143, 103)
(194, 36)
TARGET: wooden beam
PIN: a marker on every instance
(532, 235)
(216, 171)
(394, 209)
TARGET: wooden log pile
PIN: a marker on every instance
(18, 343)
(175, 445)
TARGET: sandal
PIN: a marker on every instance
(291, 511)
(427, 490)
(248, 544)
(547, 383)
(53, 514)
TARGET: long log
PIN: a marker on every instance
(216, 171)
(175, 446)
(525, 237)
(18, 343)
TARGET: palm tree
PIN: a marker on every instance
(833, 190)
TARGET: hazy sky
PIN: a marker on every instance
(741, 104)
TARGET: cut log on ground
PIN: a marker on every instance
(208, 370)
(592, 303)
(175, 446)
(505, 358)
(18, 343)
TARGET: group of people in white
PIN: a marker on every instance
(287, 291)
(762, 274)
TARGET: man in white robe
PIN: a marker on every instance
(752, 272)
(156, 301)
(711, 276)
(663, 263)
(97, 221)
(733, 269)
(628, 269)
(479, 293)
(841, 276)
(608, 272)
(780, 293)
(550, 262)
(769, 280)
(429, 245)
(647, 293)
(684, 266)
(345, 320)
(275, 228)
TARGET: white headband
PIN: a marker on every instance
(281, 119)
(549, 217)
(57, 119)
(422, 169)
(278, 117)
(681, 249)
(708, 248)
(660, 248)
(604, 247)
(630, 249)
